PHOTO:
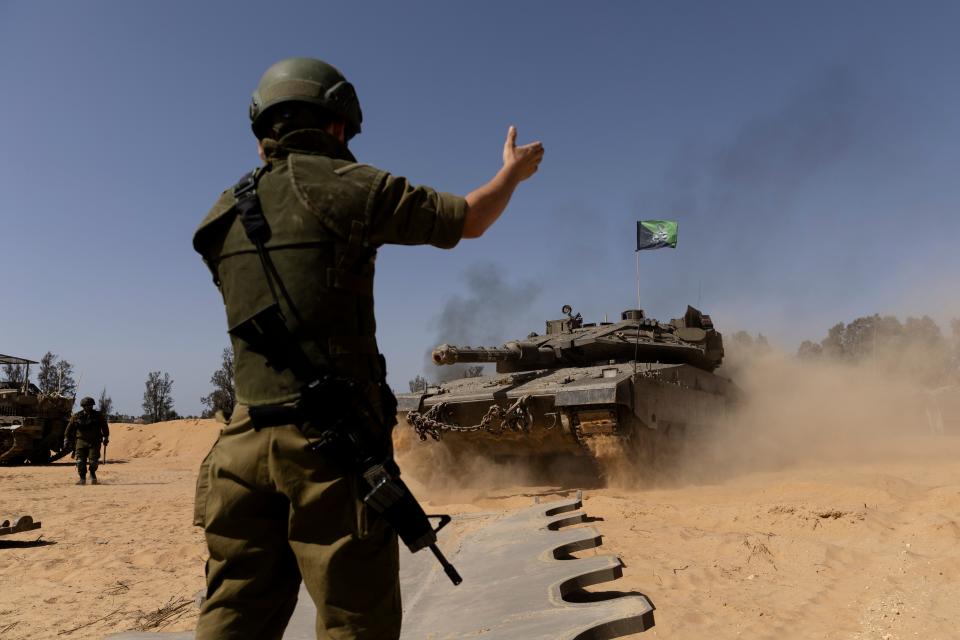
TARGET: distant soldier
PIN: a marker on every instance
(86, 431)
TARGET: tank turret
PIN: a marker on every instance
(571, 343)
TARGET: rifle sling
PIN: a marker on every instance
(268, 333)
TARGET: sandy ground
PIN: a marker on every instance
(110, 556)
(840, 550)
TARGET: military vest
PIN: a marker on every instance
(317, 201)
(88, 426)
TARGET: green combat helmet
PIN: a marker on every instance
(87, 402)
(307, 80)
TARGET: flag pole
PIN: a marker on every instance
(637, 253)
(636, 342)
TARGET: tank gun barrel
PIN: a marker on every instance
(450, 354)
(513, 356)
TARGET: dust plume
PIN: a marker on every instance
(456, 476)
(486, 313)
(821, 411)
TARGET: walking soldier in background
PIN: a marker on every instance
(86, 431)
(291, 248)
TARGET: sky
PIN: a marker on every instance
(809, 150)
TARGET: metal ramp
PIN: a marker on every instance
(517, 573)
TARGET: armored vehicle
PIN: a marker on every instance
(31, 423)
(622, 395)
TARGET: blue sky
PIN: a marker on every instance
(809, 150)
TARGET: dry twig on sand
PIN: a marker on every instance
(88, 624)
(117, 589)
(173, 610)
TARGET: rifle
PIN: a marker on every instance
(341, 440)
(346, 443)
(388, 495)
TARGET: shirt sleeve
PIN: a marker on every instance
(411, 214)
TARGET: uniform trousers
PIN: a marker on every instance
(274, 513)
(87, 451)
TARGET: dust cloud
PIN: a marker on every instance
(455, 477)
(801, 412)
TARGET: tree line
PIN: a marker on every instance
(55, 377)
(917, 348)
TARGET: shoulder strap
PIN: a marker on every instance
(267, 330)
(257, 228)
(249, 209)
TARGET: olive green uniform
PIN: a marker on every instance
(87, 430)
(273, 511)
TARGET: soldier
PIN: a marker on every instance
(291, 248)
(86, 431)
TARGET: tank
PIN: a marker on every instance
(633, 391)
(32, 423)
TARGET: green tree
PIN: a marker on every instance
(158, 398)
(47, 373)
(224, 394)
(67, 385)
(16, 373)
(55, 376)
(810, 350)
(105, 404)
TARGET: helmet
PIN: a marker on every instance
(307, 80)
(87, 402)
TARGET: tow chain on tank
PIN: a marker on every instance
(517, 417)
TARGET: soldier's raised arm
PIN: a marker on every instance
(486, 203)
(404, 213)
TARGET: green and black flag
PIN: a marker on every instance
(656, 234)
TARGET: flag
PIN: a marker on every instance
(656, 234)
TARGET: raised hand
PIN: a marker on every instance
(523, 161)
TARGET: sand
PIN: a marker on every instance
(110, 555)
(842, 549)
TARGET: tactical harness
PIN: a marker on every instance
(269, 334)
(321, 412)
